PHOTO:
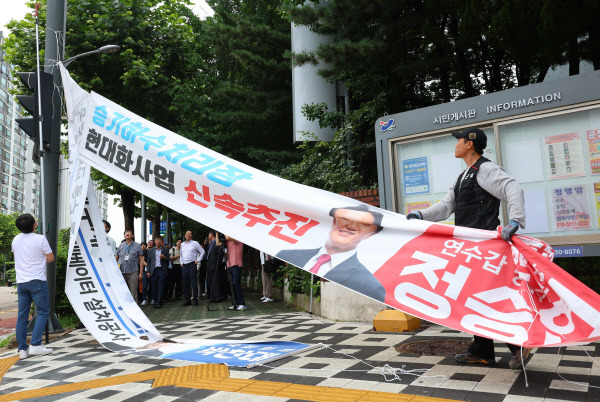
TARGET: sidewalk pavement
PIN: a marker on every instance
(335, 373)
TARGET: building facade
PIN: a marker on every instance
(19, 176)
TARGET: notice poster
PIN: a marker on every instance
(415, 174)
(597, 197)
(571, 208)
(593, 138)
(564, 157)
(416, 206)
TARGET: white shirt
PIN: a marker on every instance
(112, 244)
(336, 259)
(30, 251)
(158, 254)
(189, 250)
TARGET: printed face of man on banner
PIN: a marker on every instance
(336, 260)
(350, 226)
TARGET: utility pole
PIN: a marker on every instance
(56, 13)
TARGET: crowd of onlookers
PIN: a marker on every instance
(157, 272)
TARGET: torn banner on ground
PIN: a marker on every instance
(463, 278)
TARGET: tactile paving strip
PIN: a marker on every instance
(6, 364)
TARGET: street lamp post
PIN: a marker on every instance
(102, 50)
(55, 34)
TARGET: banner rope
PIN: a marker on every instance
(575, 382)
(386, 370)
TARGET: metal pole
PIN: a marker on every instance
(56, 13)
(312, 280)
(40, 136)
(143, 232)
(168, 231)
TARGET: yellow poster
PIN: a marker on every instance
(416, 206)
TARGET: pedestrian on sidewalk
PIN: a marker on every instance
(109, 240)
(235, 253)
(190, 253)
(158, 263)
(174, 292)
(475, 201)
(131, 260)
(214, 269)
(32, 252)
(267, 263)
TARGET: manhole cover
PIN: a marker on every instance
(435, 347)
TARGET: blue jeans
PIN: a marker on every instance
(236, 284)
(36, 291)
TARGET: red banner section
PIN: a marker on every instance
(510, 293)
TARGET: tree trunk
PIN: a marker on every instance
(128, 205)
(573, 55)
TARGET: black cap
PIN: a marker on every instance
(473, 134)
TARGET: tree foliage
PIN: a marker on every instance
(400, 55)
(237, 97)
(8, 231)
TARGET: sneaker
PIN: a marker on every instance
(232, 308)
(152, 302)
(145, 302)
(241, 307)
(23, 354)
(267, 300)
(516, 362)
(263, 298)
(470, 358)
(39, 350)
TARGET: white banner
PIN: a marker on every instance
(467, 279)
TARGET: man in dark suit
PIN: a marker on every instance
(158, 264)
(336, 260)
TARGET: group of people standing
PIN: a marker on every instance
(189, 269)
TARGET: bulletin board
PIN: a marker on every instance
(556, 159)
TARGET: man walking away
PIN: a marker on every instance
(32, 252)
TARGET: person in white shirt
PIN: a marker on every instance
(109, 240)
(31, 252)
(190, 252)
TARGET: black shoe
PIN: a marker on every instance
(157, 305)
(187, 303)
(194, 303)
(470, 358)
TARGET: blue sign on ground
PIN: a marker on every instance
(415, 173)
(238, 354)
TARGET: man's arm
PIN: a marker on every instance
(49, 258)
(493, 179)
(442, 209)
(141, 259)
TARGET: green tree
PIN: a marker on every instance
(8, 231)
(237, 100)
(156, 40)
(400, 55)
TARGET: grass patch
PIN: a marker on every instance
(6, 341)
